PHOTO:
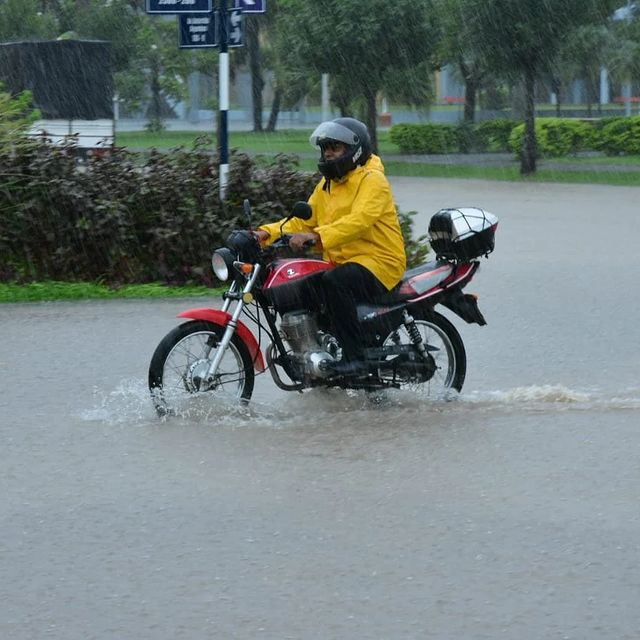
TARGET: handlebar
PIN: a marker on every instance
(244, 246)
(284, 240)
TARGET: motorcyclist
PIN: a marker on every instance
(355, 222)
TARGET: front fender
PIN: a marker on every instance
(216, 316)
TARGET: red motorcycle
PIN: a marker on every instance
(215, 355)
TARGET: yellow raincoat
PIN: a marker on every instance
(357, 222)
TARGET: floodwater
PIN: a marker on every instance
(510, 512)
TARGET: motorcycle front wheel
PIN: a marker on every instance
(179, 364)
(446, 349)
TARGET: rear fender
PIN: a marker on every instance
(464, 305)
(216, 316)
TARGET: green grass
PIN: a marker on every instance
(295, 142)
(600, 159)
(52, 290)
(290, 141)
(510, 174)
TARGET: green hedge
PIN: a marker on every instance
(424, 138)
(619, 135)
(491, 135)
(556, 136)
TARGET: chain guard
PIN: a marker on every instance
(408, 368)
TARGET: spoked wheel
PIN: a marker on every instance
(177, 373)
(447, 366)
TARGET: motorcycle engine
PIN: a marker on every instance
(312, 348)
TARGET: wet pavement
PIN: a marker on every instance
(511, 512)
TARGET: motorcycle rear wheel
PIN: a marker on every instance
(181, 359)
(450, 357)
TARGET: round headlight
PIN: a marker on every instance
(222, 263)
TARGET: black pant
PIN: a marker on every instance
(344, 288)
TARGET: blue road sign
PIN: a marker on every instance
(236, 29)
(251, 6)
(198, 30)
(201, 31)
(179, 6)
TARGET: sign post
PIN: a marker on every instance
(223, 99)
(198, 30)
(205, 27)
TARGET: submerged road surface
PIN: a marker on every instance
(511, 512)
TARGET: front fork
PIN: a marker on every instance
(233, 322)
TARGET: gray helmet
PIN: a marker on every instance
(349, 131)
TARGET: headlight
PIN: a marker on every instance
(222, 263)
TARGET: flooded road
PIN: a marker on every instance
(511, 512)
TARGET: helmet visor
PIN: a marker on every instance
(333, 131)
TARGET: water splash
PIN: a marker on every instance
(129, 403)
(554, 397)
(545, 394)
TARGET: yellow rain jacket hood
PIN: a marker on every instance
(357, 221)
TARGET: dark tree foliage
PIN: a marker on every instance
(523, 37)
(361, 41)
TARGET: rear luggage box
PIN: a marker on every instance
(462, 234)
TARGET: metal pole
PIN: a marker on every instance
(325, 97)
(627, 90)
(223, 91)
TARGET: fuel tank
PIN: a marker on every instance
(291, 283)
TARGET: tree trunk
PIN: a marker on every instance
(592, 92)
(257, 83)
(155, 107)
(343, 107)
(556, 87)
(275, 109)
(470, 92)
(371, 118)
(529, 151)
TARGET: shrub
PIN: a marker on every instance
(16, 114)
(125, 218)
(619, 135)
(424, 138)
(129, 218)
(466, 137)
(416, 248)
(493, 135)
(556, 136)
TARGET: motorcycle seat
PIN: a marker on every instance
(416, 281)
